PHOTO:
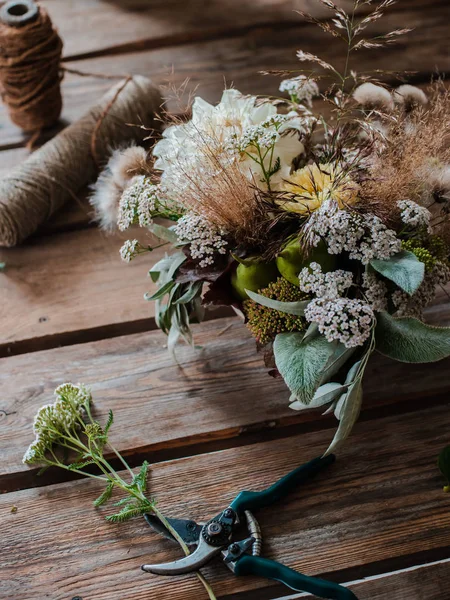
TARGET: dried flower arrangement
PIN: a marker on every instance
(329, 233)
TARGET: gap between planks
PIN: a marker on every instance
(419, 582)
(165, 410)
(380, 508)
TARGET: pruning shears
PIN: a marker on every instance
(217, 536)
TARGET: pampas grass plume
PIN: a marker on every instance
(410, 96)
(123, 165)
(370, 95)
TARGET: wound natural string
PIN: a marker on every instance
(30, 72)
(60, 169)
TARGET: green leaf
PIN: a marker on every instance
(192, 291)
(409, 340)
(350, 379)
(81, 464)
(301, 362)
(324, 395)
(162, 291)
(42, 470)
(292, 308)
(109, 422)
(141, 477)
(444, 464)
(337, 360)
(105, 496)
(349, 413)
(404, 269)
(164, 233)
(128, 512)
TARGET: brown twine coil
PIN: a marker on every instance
(70, 161)
(30, 73)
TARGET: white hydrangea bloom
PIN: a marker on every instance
(204, 239)
(413, 214)
(341, 319)
(302, 89)
(330, 285)
(364, 237)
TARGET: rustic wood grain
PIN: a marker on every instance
(379, 508)
(167, 21)
(238, 59)
(220, 391)
(423, 582)
(70, 282)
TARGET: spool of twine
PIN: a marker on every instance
(30, 74)
(61, 168)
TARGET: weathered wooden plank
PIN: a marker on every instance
(239, 59)
(379, 508)
(57, 284)
(422, 582)
(167, 21)
(194, 403)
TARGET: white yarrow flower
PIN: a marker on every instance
(364, 237)
(130, 250)
(413, 214)
(302, 89)
(204, 239)
(341, 319)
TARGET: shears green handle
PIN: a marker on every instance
(254, 500)
(262, 567)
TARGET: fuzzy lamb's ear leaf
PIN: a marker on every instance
(404, 269)
(324, 395)
(337, 360)
(349, 413)
(409, 340)
(292, 308)
(164, 233)
(301, 362)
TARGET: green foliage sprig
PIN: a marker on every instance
(68, 437)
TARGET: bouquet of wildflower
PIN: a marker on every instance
(327, 229)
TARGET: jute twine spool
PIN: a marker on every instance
(30, 73)
(70, 161)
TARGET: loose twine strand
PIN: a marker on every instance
(30, 73)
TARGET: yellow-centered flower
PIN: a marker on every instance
(314, 184)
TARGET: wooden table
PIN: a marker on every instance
(215, 423)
